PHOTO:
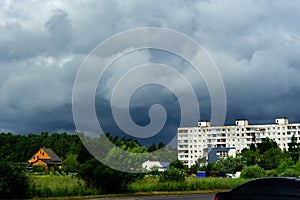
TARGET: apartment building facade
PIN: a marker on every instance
(193, 142)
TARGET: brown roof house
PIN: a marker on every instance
(45, 157)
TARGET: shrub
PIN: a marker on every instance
(172, 174)
(271, 173)
(39, 169)
(13, 181)
(99, 176)
(297, 166)
(253, 171)
(289, 173)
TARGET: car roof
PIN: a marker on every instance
(270, 186)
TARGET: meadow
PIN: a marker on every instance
(191, 183)
(58, 186)
(42, 186)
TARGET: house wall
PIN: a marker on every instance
(39, 163)
(41, 154)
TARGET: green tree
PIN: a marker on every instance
(161, 145)
(253, 171)
(250, 156)
(172, 174)
(285, 163)
(152, 147)
(178, 165)
(108, 180)
(230, 164)
(70, 164)
(13, 181)
(271, 158)
(294, 149)
(266, 144)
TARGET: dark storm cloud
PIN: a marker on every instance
(255, 44)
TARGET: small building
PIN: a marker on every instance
(45, 157)
(160, 166)
(212, 155)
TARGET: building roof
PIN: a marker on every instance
(164, 164)
(52, 154)
(50, 162)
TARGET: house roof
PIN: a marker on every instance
(158, 163)
(52, 154)
(50, 162)
(164, 164)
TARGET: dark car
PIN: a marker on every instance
(277, 188)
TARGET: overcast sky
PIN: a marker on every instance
(255, 45)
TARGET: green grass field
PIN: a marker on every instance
(58, 186)
(66, 186)
(190, 184)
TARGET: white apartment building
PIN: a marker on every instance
(192, 141)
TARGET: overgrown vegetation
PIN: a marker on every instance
(58, 186)
(253, 171)
(13, 181)
(98, 176)
(173, 174)
(151, 184)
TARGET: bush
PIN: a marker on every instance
(289, 173)
(99, 176)
(13, 181)
(253, 171)
(271, 173)
(172, 174)
(39, 169)
(297, 166)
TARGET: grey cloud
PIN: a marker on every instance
(255, 44)
(60, 29)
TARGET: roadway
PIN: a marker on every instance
(164, 197)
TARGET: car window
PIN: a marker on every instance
(259, 186)
(269, 186)
(289, 187)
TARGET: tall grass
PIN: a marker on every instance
(66, 186)
(190, 184)
(58, 186)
